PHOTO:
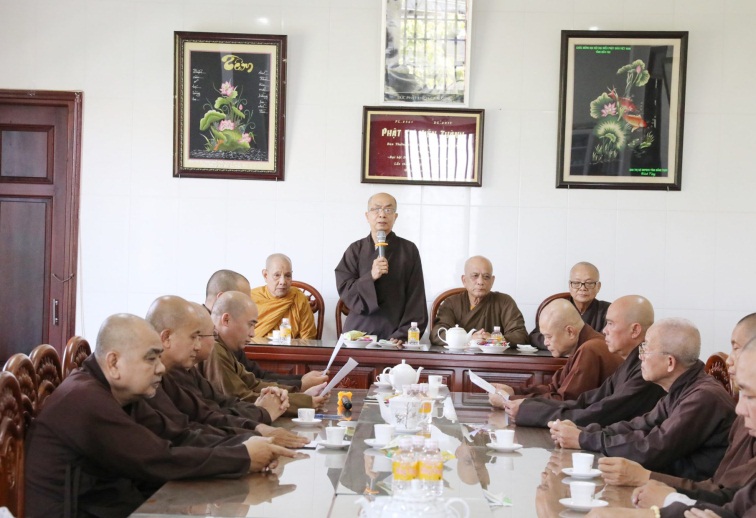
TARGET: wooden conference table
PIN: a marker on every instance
(328, 483)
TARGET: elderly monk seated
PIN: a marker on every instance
(685, 435)
(479, 308)
(589, 360)
(179, 326)
(228, 280)
(384, 293)
(737, 469)
(84, 450)
(234, 316)
(278, 300)
(623, 395)
(732, 491)
(584, 285)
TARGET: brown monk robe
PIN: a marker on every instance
(586, 369)
(743, 505)
(496, 309)
(737, 469)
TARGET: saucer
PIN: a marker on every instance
(527, 348)
(373, 443)
(407, 430)
(456, 350)
(582, 476)
(314, 422)
(382, 384)
(276, 341)
(501, 447)
(347, 424)
(413, 347)
(337, 446)
(386, 344)
(567, 502)
(493, 349)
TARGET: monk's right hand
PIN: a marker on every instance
(380, 268)
(272, 403)
(263, 454)
(619, 471)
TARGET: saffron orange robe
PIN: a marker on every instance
(294, 306)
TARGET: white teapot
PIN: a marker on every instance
(456, 337)
(413, 504)
(402, 374)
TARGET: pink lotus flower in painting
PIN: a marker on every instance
(227, 89)
(226, 125)
(609, 109)
(245, 138)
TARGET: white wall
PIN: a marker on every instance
(145, 233)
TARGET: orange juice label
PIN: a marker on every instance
(431, 471)
(413, 336)
(404, 470)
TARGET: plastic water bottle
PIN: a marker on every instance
(413, 335)
(496, 336)
(430, 468)
(403, 466)
(418, 445)
(285, 331)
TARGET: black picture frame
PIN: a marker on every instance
(229, 105)
(621, 109)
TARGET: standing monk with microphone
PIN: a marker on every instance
(380, 277)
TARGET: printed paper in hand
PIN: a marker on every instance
(339, 343)
(346, 369)
(485, 385)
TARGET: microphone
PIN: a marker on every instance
(380, 236)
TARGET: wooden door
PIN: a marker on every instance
(40, 148)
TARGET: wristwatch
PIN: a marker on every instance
(656, 511)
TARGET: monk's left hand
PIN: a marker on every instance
(651, 493)
(619, 471)
(313, 378)
(512, 406)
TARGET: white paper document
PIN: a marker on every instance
(486, 385)
(346, 369)
(339, 343)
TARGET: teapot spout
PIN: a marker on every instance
(470, 333)
(419, 370)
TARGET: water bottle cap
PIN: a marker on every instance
(497, 329)
(414, 324)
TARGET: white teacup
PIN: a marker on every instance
(383, 433)
(335, 434)
(306, 414)
(582, 492)
(384, 378)
(435, 380)
(582, 462)
(276, 334)
(432, 390)
(504, 437)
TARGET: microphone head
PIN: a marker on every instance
(380, 236)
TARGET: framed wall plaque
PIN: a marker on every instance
(229, 105)
(621, 109)
(423, 146)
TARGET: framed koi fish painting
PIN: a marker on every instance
(229, 105)
(621, 110)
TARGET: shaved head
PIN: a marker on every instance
(223, 281)
(235, 317)
(170, 312)
(680, 338)
(274, 259)
(383, 198)
(636, 309)
(586, 267)
(748, 324)
(235, 303)
(561, 313)
(119, 333)
(478, 260)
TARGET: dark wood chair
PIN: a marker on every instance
(76, 351)
(316, 303)
(547, 300)
(21, 367)
(716, 367)
(341, 310)
(440, 300)
(12, 431)
(46, 363)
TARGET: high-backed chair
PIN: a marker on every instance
(76, 351)
(341, 310)
(316, 303)
(547, 300)
(12, 430)
(716, 367)
(440, 300)
(46, 363)
(21, 367)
